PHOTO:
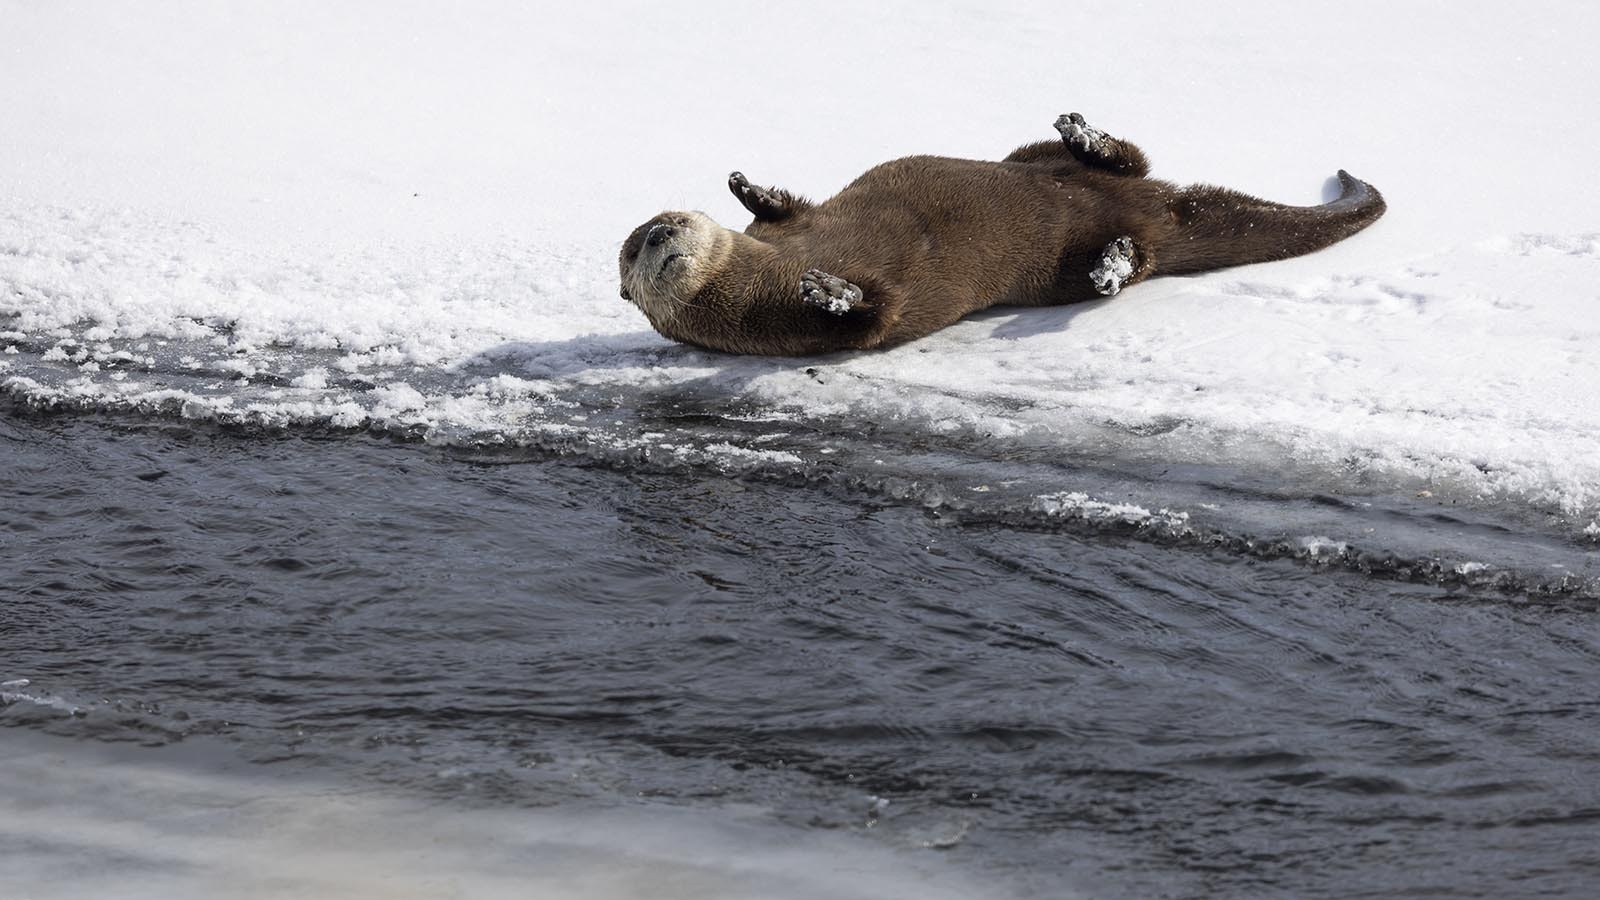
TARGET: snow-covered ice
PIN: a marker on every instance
(406, 216)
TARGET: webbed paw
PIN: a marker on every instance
(760, 201)
(832, 294)
(1116, 266)
(1079, 135)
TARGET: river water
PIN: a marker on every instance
(984, 696)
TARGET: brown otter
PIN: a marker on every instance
(915, 244)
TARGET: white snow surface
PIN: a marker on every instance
(393, 188)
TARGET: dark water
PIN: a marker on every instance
(1043, 708)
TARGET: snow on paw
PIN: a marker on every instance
(1078, 134)
(834, 295)
(1116, 266)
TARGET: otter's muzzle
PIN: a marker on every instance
(659, 234)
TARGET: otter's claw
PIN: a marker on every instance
(1078, 134)
(834, 295)
(1116, 266)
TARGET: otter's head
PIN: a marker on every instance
(667, 260)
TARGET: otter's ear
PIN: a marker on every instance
(625, 295)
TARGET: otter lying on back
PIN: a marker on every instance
(915, 244)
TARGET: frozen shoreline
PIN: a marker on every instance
(1427, 378)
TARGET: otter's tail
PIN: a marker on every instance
(1218, 227)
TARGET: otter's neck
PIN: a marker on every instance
(744, 298)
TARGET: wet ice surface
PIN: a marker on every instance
(1089, 706)
(84, 820)
(1030, 453)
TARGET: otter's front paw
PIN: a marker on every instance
(1079, 135)
(741, 186)
(1116, 266)
(835, 295)
(760, 201)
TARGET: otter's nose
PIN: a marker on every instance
(659, 234)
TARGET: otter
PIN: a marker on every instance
(917, 243)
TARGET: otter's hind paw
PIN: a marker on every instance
(1079, 135)
(1116, 266)
(835, 295)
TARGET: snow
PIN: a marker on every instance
(1319, 545)
(404, 192)
(1076, 504)
(315, 379)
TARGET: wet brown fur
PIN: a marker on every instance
(930, 240)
